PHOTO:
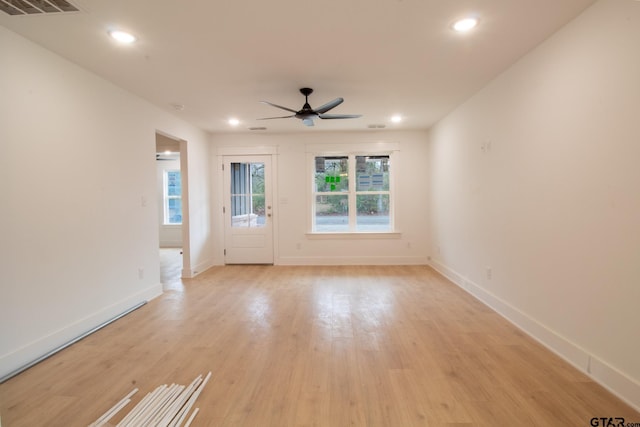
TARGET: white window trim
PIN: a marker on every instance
(354, 235)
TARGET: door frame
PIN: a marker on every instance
(186, 271)
(271, 151)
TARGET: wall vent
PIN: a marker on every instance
(35, 7)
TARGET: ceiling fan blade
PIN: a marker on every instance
(279, 106)
(329, 105)
(307, 122)
(281, 117)
(339, 116)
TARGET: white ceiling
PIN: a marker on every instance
(220, 58)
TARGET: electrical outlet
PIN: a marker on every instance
(140, 273)
(489, 273)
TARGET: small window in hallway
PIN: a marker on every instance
(172, 197)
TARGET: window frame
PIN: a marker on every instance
(352, 193)
(166, 197)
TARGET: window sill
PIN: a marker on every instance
(354, 235)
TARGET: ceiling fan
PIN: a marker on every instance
(308, 114)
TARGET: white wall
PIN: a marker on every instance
(79, 217)
(195, 170)
(291, 208)
(552, 206)
(170, 235)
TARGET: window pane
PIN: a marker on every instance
(239, 178)
(174, 185)
(372, 173)
(257, 178)
(332, 174)
(247, 195)
(373, 212)
(332, 213)
(242, 214)
(257, 196)
(258, 210)
(172, 200)
(239, 204)
(174, 210)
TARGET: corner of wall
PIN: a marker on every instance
(198, 269)
(43, 347)
(619, 384)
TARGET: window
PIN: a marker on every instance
(352, 193)
(172, 197)
(247, 195)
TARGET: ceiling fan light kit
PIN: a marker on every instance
(307, 114)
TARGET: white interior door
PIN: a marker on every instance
(248, 213)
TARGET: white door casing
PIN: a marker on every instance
(247, 210)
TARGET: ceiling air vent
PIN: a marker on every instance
(35, 7)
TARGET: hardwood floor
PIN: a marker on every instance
(315, 346)
(171, 268)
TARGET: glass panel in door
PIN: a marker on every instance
(247, 195)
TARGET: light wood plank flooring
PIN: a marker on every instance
(171, 268)
(315, 346)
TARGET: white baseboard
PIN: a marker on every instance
(353, 260)
(623, 386)
(197, 269)
(25, 355)
(170, 244)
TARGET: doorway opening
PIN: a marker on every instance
(171, 200)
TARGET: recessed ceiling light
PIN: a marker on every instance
(122, 36)
(396, 119)
(234, 122)
(465, 25)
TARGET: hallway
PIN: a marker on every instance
(171, 268)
